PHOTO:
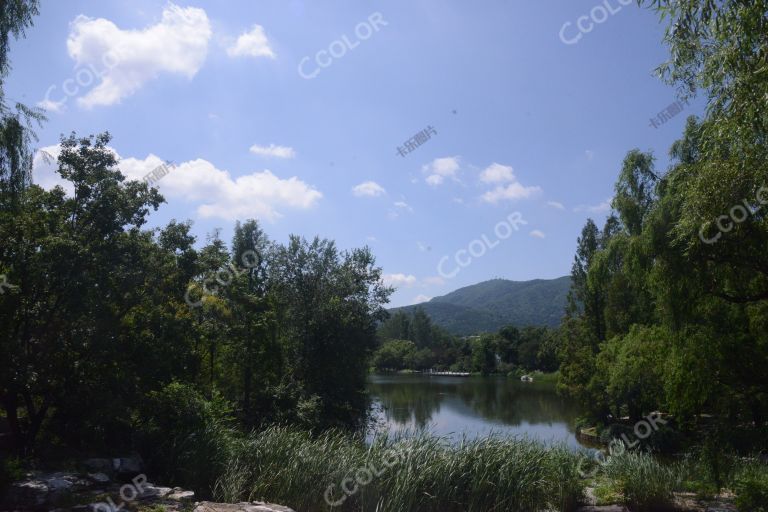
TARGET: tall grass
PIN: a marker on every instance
(644, 482)
(750, 483)
(418, 472)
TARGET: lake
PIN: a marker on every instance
(475, 406)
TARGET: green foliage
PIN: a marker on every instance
(634, 370)
(668, 309)
(419, 472)
(106, 314)
(751, 487)
(484, 355)
(645, 483)
(394, 355)
(15, 17)
(186, 439)
(719, 48)
(529, 349)
(11, 470)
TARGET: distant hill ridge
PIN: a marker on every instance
(490, 305)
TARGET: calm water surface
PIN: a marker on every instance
(475, 406)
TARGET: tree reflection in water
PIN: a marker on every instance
(474, 405)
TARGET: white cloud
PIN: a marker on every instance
(400, 207)
(273, 151)
(510, 192)
(441, 168)
(258, 195)
(398, 280)
(368, 189)
(537, 234)
(44, 168)
(252, 44)
(497, 173)
(555, 204)
(421, 298)
(52, 106)
(434, 180)
(213, 192)
(603, 207)
(127, 59)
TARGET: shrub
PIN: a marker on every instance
(11, 470)
(185, 438)
(751, 488)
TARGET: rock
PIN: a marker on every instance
(180, 494)
(256, 506)
(151, 491)
(29, 493)
(128, 466)
(99, 478)
(57, 483)
(43, 490)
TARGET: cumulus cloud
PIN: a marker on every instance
(252, 44)
(440, 169)
(213, 192)
(399, 280)
(511, 192)
(421, 298)
(127, 59)
(509, 187)
(497, 173)
(260, 194)
(273, 151)
(537, 234)
(368, 189)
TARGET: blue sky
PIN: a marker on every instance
(523, 122)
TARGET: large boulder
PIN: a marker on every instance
(256, 506)
(180, 494)
(42, 490)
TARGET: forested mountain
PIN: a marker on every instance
(491, 305)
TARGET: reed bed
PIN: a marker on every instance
(415, 472)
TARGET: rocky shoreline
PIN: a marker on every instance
(110, 485)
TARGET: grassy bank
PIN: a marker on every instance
(427, 474)
(420, 473)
